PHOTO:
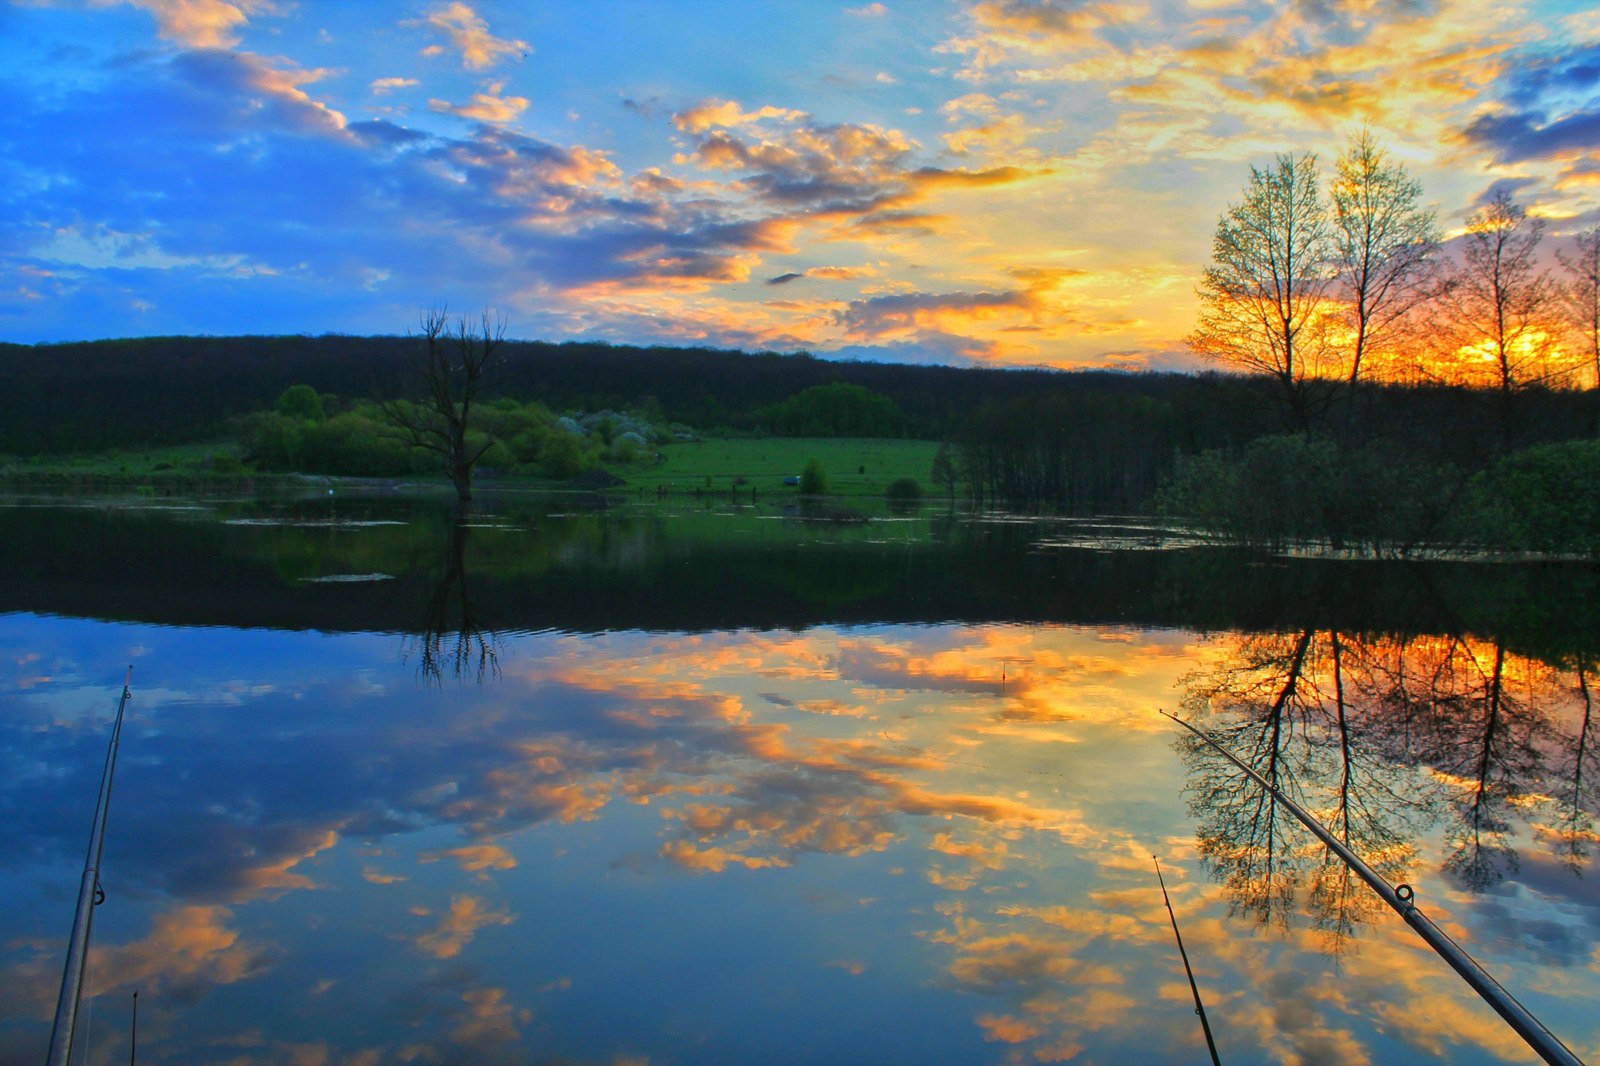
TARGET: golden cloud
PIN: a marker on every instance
(488, 1019)
(187, 947)
(467, 915)
(468, 33)
(201, 23)
(486, 106)
(711, 114)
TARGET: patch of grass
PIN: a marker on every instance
(174, 464)
(853, 466)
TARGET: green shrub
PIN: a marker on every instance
(1543, 499)
(813, 480)
(904, 490)
(302, 403)
(1280, 490)
(562, 455)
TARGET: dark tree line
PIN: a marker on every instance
(164, 390)
(1079, 442)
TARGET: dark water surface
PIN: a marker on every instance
(694, 783)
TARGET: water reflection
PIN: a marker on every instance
(912, 840)
(452, 637)
(1386, 739)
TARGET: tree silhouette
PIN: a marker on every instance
(453, 366)
(1502, 304)
(1263, 298)
(1386, 244)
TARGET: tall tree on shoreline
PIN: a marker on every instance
(1503, 304)
(1264, 296)
(1582, 293)
(1386, 244)
(454, 365)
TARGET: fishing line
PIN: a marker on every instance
(1199, 1008)
(1403, 901)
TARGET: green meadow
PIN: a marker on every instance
(853, 466)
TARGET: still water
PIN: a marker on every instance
(698, 783)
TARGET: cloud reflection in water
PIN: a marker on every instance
(902, 843)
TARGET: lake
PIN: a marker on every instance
(698, 781)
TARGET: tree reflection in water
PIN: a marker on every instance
(452, 637)
(1574, 828)
(1384, 739)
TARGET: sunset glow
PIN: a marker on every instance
(1000, 182)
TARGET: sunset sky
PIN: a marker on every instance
(1001, 182)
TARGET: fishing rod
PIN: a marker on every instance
(1402, 899)
(1199, 1008)
(90, 896)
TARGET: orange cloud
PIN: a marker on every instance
(478, 858)
(488, 1019)
(711, 114)
(467, 915)
(487, 106)
(202, 23)
(189, 948)
(468, 33)
(1004, 1027)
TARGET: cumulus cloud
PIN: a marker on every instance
(383, 86)
(468, 33)
(459, 925)
(188, 951)
(488, 106)
(710, 114)
(202, 23)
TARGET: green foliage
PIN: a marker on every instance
(224, 464)
(1542, 499)
(813, 479)
(1083, 452)
(943, 471)
(763, 464)
(905, 489)
(301, 403)
(562, 455)
(836, 410)
(353, 444)
(1297, 489)
(1209, 491)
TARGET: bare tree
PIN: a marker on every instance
(454, 365)
(1504, 305)
(1386, 245)
(1263, 296)
(1583, 293)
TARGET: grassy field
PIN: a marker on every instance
(854, 467)
(174, 462)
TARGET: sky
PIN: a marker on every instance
(995, 182)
